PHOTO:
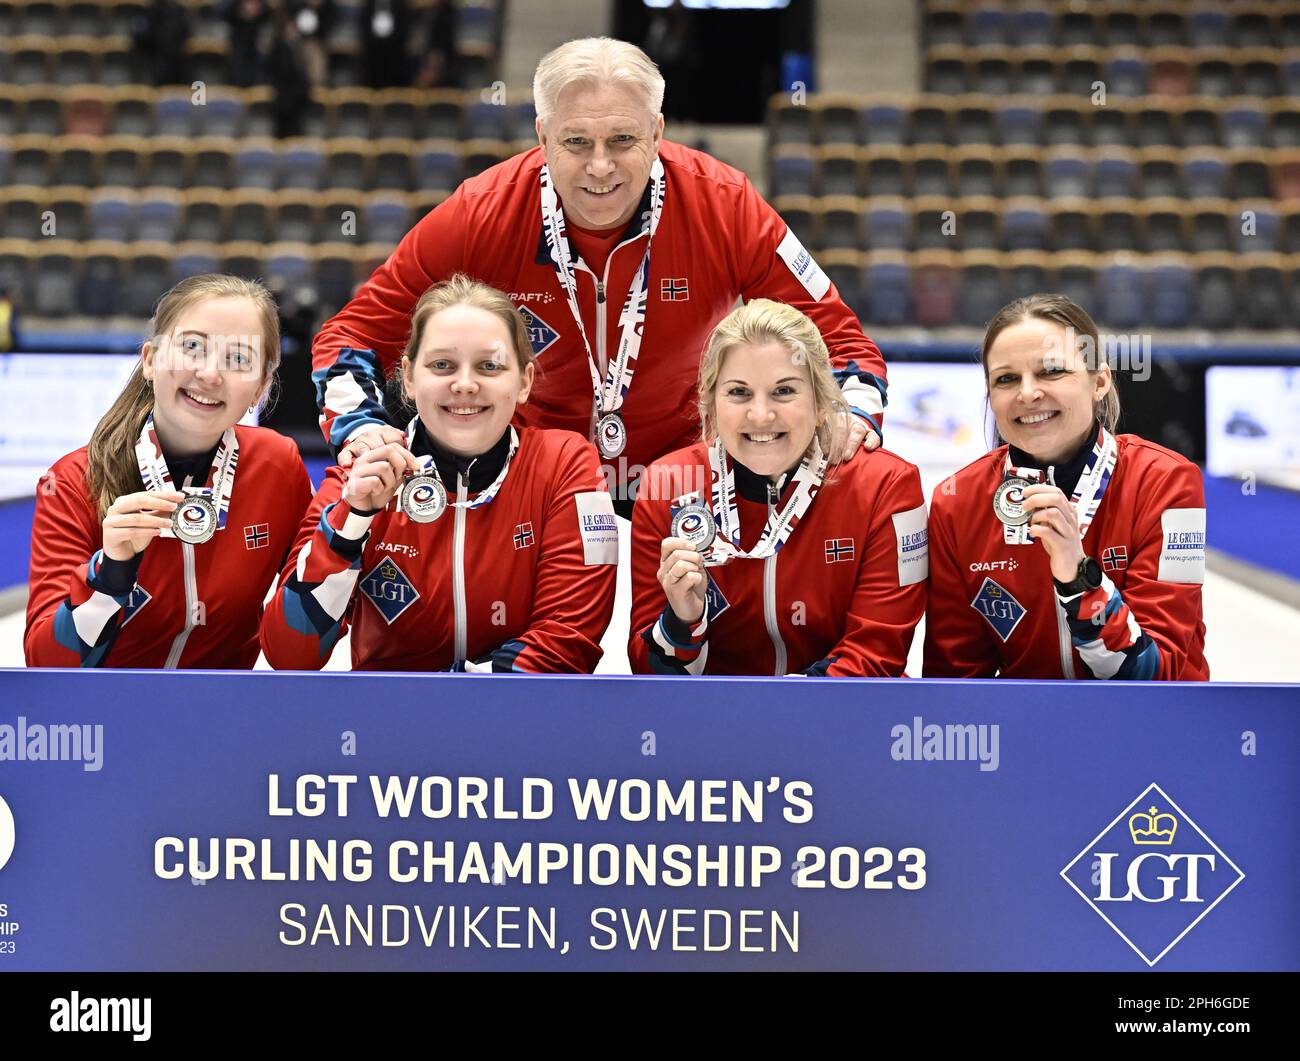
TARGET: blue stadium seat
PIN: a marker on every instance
(1207, 28)
(1205, 174)
(1114, 174)
(794, 171)
(886, 279)
(386, 218)
(987, 25)
(487, 121)
(174, 115)
(886, 224)
(1076, 277)
(112, 215)
(884, 123)
(1024, 226)
(302, 164)
(289, 264)
(1019, 125)
(1067, 173)
(159, 215)
(521, 120)
(1256, 227)
(1127, 76)
(221, 115)
(1244, 126)
(100, 290)
(254, 164)
(192, 259)
(1120, 299)
(437, 165)
(1169, 292)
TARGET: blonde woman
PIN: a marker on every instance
(1069, 551)
(155, 545)
(753, 551)
(469, 545)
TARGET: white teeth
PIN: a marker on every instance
(201, 401)
(762, 438)
(600, 191)
(1037, 418)
(467, 410)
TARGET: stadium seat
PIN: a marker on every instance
(1258, 73)
(1080, 71)
(1122, 28)
(1067, 173)
(132, 113)
(398, 113)
(203, 216)
(1022, 172)
(1117, 224)
(1171, 71)
(1126, 74)
(1024, 225)
(974, 171)
(335, 275)
(1019, 125)
(1078, 27)
(1205, 174)
(43, 113)
(174, 113)
(1248, 175)
(974, 123)
(1120, 299)
(288, 264)
(988, 25)
(243, 258)
(1033, 26)
(978, 223)
(296, 217)
(1158, 170)
(76, 161)
(1210, 224)
(442, 114)
(1214, 71)
(1289, 29)
(85, 114)
(159, 215)
(1261, 291)
(1073, 224)
(1284, 123)
(221, 115)
(488, 121)
(930, 171)
(121, 160)
(206, 60)
(1286, 175)
(148, 275)
(1291, 76)
(1163, 225)
(886, 224)
(340, 216)
(1167, 26)
(934, 288)
(101, 289)
(1201, 125)
(213, 162)
(1112, 125)
(478, 155)
(16, 272)
(437, 165)
(1026, 273)
(57, 274)
(844, 267)
(993, 74)
(841, 173)
(1258, 228)
(84, 19)
(1169, 291)
(936, 225)
(1290, 226)
(254, 164)
(803, 214)
(1244, 125)
(884, 123)
(29, 160)
(118, 63)
(945, 70)
(30, 60)
(1066, 122)
(886, 280)
(887, 170)
(348, 163)
(1216, 291)
(982, 292)
(1076, 277)
(793, 170)
(350, 112)
(69, 208)
(20, 212)
(1114, 173)
(192, 259)
(113, 214)
(167, 162)
(386, 217)
(930, 125)
(302, 164)
(837, 121)
(251, 214)
(259, 117)
(841, 223)
(942, 25)
(1156, 124)
(1252, 28)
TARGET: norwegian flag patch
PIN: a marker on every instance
(257, 536)
(1115, 558)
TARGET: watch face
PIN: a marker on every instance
(1090, 572)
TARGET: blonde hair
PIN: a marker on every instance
(111, 467)
(462, 290)
(764, 321)
(1057, 309)
(595, 61)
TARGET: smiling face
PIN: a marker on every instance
(465, 379)
(1040, 390)
(206, 372)
(599, 145)
(765, 409)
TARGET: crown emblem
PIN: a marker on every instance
(1152, 828)
(388, 571)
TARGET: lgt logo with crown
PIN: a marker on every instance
(1152, 874)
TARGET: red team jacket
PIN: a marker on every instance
(523, 583)
(994, 608)
(842, 597)
(192, 606)
(717, 240)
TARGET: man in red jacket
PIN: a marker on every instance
(622, 250)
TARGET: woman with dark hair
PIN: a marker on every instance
(1068, 551)
(154, 545)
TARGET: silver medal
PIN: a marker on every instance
(194, 520)
(424, 498)
(1009, 499)
(611, 435)
(696, 524)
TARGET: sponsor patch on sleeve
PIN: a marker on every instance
(913, 543)
(597, 526)
(801, 263)
(1182, 547)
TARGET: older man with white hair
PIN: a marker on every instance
(621, 249)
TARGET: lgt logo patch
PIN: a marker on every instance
(389, 590)
(1152, 874)
(999, 607)
(540, 334)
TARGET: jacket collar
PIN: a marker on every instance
(1068, 471)
(753, 487)
(480, 471)
(632, 230)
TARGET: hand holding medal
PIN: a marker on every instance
(681, 573)
(134, 520)
(377, 475)
(1053, 521)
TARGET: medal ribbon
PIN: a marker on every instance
(218, 485)
(609, 394)
(1088, 492)
(484, 497)
(780, 524)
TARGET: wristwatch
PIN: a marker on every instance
(1087, 577)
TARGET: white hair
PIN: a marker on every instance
(595, 60)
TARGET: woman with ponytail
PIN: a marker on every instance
(155, 545)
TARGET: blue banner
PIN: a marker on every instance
(203, 821)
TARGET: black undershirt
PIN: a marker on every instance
(1066, 473)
